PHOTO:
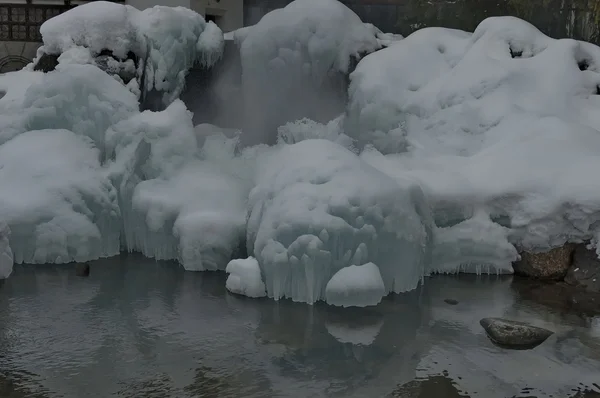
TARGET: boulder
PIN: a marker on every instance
(47, 63)
(513, 334)
(550, 265)
(82, 269)
(585, 269)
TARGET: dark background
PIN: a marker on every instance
(577, 19)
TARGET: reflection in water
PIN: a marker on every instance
(140, 328)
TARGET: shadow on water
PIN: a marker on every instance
(141, 328)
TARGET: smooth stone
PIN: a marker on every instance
(513, 334)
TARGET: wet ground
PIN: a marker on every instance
(138, 328)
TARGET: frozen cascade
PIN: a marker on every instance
(355, 286)
(318, 208)
(6, 256)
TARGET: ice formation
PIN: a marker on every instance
(295, 60)
(6, 256)
(318, 208)
(177, 201)
(56, 199)
(355, 286)
(500, 122)
(244, 278)
(157, 45)
(455, 151)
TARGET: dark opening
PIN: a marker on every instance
(209, 17)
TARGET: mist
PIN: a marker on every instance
(256, 101)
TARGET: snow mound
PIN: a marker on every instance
(306, 129)
(176, 38)
(502, 121)
(79, 98)
(295, 61)
(244, 278)
(97, 26)
(54, 196)
(176, 203)
(318, 208)
(6, 256)
(157, 45)
(355, 286)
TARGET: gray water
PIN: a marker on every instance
(140, 328)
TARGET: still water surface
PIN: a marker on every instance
(140, 328)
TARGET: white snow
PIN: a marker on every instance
(318, 207)
(355, 286)
(97, 26)
(177, 201)
(58, 203)
(167, 40)
(244, 278)
(485, 133)
(294, 61)
(455, 152)
(6, 256)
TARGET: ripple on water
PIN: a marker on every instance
(140, 328)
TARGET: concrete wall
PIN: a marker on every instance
(14, 55)
(229, 13)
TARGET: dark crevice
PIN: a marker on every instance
(583, 64)
(515, 53)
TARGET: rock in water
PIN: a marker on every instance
(513, 334)
(551, 265)
(585, 270)
(82, 269)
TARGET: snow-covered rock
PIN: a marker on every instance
(355, 286)
(56, 199)
(501, 122)
(245, 278)
(157, 46)
(6, 256)
(318, 208)
(295, 61)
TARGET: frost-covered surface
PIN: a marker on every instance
(56, 200)
(502, 123)
(318, 207)
(176, 203)
(355, 286)
(6, 256)
(244, 278)
(79, 98)
(166, 43)
(295, 59)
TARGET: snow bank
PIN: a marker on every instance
(56, 200)
(157, 45)
(294, 62)
(177, 201)
(79, 98)
(244, 278)
(97, 26)
(318, 208)
(6, 256)
(500, 123)
(355, 286)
